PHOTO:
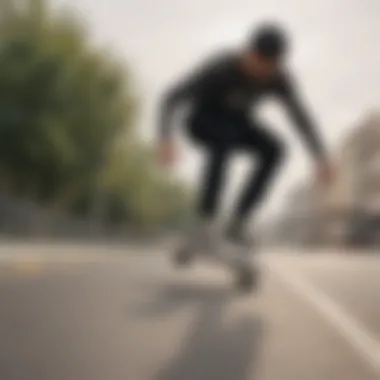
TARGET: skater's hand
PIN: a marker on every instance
(166, 152)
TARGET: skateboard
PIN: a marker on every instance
(236, 258)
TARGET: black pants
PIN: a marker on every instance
(222, 135)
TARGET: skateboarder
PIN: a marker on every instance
(223, 94)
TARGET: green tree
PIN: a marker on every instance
(62, 103)
(145, 194)
(67, 116)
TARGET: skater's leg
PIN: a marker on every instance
(269, 151)
(211, 186)
(213, 134)
(216, 135)
(212, 183)
(269, 157)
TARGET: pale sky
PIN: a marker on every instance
(336, 58)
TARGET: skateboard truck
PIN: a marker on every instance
(237, 258)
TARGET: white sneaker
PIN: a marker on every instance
(238, 256)
(242, 259)
(203, 239)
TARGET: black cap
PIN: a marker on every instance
(270, 40)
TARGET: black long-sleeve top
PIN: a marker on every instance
(221, 86)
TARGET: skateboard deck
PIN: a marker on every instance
(238, 259)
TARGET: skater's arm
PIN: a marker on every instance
(301, 118)
(172, 99)
(202, 82)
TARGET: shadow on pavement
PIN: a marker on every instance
(218, 346)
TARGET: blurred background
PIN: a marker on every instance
(74, 161)
(80, 86)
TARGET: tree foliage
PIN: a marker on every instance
(63, 106)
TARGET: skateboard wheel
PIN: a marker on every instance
(248, 279)
(183, 256)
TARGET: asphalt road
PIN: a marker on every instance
(98, 313)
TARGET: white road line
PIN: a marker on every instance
(348, 327)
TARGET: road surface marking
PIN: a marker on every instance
(348, 327)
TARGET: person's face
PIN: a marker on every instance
(262, 67)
